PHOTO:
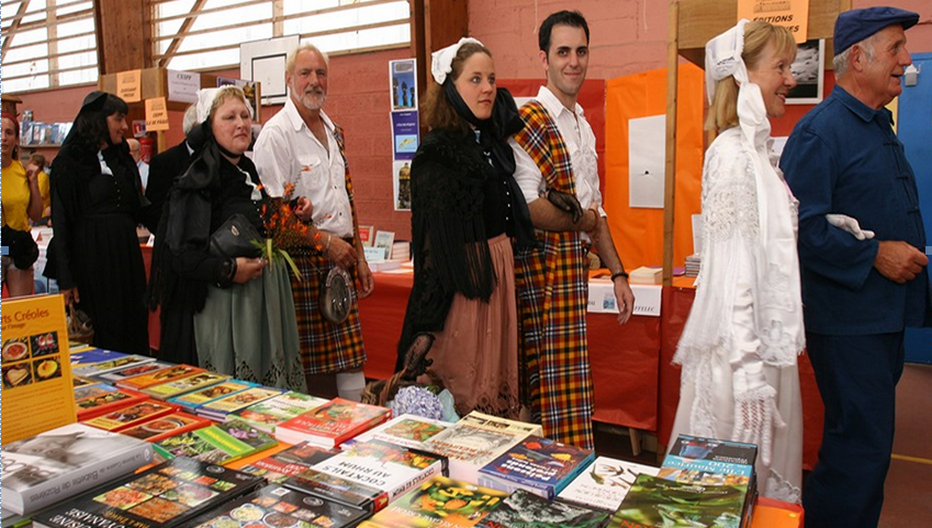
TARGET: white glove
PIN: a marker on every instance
(756, 413)
(850, 225)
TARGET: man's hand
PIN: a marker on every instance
(341, 253)
(71, 296)
(596, 224)
(304, 209)
(625, 299)
(899, 261)
(366, 280)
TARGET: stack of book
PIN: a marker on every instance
(702, 483)
(267, 414)
(692, 265)
(165, 496)
(332, 423)
(288, 462)
(537, 465)
(476, 440)
(217, 444)
(58, 464)
(190, 401)
(604, 483)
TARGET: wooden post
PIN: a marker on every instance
(669, 191)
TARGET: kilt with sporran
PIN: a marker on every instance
(553, 294)
(325, 347)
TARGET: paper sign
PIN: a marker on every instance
(183, 86)
(129, 86)
(156, 114)
(793, 14)
(647, 152)
(36, 367)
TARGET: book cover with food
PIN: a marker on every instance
(167, 374)
(333, 423)
(338, 489)
(278, 466)
(656, 502)
(131, 371)
(277, 507)
(166, 426)
(218, 444)
(127, 417)
(218, 409)
(408, 430)
(190, 401)
(440, 501)
(267, 414)
(55, 465)
(35, 367)
(100, 403)
(165, 496)
(92, 370)
(164, 391)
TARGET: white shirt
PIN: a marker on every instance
(286, 151)
(580, 143)
(143, 173)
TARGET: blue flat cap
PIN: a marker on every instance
(856, 25)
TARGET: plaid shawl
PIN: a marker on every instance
(552, 299)
(326, 347)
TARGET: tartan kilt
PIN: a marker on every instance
(325, 347)
(553, 294)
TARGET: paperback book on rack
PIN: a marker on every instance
(267, 414)
(536, 464)
(388, 467)
(332, 424)
(654, 502)
(276, 507)
(165, 496)
(441, 502)
(523, 509)
(58, 464)
(476, 440)
(604, 483)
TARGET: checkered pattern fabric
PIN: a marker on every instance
(552, 297)
(326, 347)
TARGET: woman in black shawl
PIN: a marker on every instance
(97, 203)
(229, 313)
(465, 207)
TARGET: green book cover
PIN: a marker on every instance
(656, 502)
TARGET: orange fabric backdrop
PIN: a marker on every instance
(638, 232)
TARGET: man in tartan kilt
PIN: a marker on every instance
(299, 154)
(557, 169)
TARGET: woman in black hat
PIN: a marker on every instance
(97, 203)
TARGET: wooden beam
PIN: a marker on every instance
(669, 189)
(185, 26)
(13, 27)
(120, 35)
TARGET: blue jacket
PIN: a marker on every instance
(843, 157)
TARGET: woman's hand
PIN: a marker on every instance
(248, 269)
(71, 296)
(34, 210)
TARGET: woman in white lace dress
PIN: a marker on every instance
(745, 331)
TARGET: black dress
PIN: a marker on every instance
(94, 217)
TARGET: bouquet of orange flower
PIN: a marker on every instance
(283, 230)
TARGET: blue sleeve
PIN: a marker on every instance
(812, 172)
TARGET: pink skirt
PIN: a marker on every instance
(476, 355)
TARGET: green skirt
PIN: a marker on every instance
(249, 331)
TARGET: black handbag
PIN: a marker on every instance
(236, 238)
(22, 247)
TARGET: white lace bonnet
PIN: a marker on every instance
(441, 63)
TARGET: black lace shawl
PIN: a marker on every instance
(449, 244)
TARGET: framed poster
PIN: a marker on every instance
(264, 61)
(809, 70)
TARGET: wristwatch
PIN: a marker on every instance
(621, 273)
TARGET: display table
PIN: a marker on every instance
(636, 385)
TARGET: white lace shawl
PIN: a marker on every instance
(748, 243)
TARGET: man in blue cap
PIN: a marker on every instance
(860, 289)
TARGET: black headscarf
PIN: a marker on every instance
(493, 138)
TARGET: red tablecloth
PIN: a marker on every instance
(623, 358)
